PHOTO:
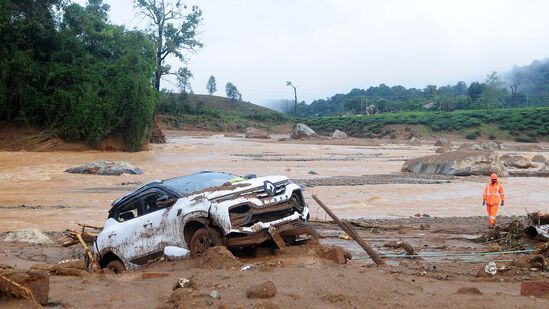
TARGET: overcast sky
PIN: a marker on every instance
(331, 46)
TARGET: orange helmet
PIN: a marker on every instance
(494, 176)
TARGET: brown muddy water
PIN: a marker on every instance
(55, 200)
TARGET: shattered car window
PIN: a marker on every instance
(187, 185)
(128, 212)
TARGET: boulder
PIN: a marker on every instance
(302, 131)
(256, 133)
(443, 149)
(539, 159)
(442, 141)
(339, 134)
(103, 167)
(458, 164)
(516, 161)
(263, 290)
(469, 147)
(492, 145)
(414, 141)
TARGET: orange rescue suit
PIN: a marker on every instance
(493, 195)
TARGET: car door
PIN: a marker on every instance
(154, 225)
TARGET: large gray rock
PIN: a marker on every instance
(492, 145)
(256, 133)
(442, 141)
(539, 159)
(302, 131)
(414, 141)
(468, 147)
(443, 149)
(458, 164)
(103, 167)
(339, 134)
(516, 161)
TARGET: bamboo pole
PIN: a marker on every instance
(347, 228)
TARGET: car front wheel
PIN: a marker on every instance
(203, 239)
(116, 266)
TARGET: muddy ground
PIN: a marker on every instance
(356, 178)
(304, 278)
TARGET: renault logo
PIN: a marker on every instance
(269, 188)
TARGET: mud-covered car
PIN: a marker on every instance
(197, 211)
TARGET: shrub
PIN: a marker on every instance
(523, 139)
(472, 135)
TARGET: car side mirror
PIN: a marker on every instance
(249, 176)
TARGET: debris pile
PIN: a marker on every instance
(504, 237)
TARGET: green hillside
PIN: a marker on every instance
(520, 124)
(215, 113)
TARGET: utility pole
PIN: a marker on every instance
(289, 83)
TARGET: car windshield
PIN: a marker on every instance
(187, 185)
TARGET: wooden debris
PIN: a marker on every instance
(348, 228)
(30, 285)
(91, 258)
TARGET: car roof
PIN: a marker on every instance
(181, 185)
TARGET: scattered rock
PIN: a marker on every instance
(257, 133)
(443, 149)
(339, 134)
(334, 253)
(492, 145)
(183, 283)
(516, 161)
(262, 290)
(457, 164)
(469, 291)
(469, 147)
(214, 294)
(539, 159)
(442, 141)
(302, 131)
(103, 167)
(32, 236)
(312, 173)
(535, 288)
(404, 245)
(414, 141)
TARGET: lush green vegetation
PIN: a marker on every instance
(523, 124)
(522, 87)
(79, 75)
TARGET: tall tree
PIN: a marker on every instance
(184, 76)
(211, 86)
(171, 30)
(289, 83)
(232, 92)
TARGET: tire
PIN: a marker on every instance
(202, 240)
(116, 266)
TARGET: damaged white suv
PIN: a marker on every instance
(198, 211)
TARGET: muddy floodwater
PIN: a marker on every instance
(36, 192)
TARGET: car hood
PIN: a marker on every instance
(239, 187)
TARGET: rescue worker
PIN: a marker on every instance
(492, 197)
